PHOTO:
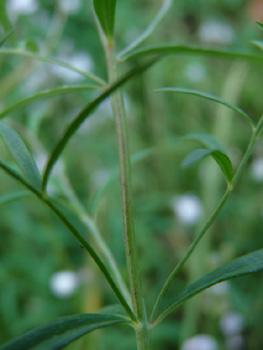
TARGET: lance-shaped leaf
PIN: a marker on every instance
(222, 160)
(105, 11)
(242, 266)
(174, 49)
(208, 97)
(46, 94)
(58, 334)
(20, 153)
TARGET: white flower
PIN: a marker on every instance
(64, 283)
(21, 7)
(188, 209)
(69, 6)
(257, 169)
(232, 323)
(195, 71)
(80, 60)
(212, 31)
(200, 342)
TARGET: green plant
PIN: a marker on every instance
(60, 333)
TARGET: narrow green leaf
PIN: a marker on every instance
(105, 11)
(206, 140)
(245, 265)
(257, 43)
(72, 229)
(46, 94)
(59, 333)
(208, 97)
(86, 112)
(21, 154)
(171, 49)
(52, 61)
(222, 160)
(260, 25)
(195, 156)
(10, 197)
(149, 30)
(7, 35)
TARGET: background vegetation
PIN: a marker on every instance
(34, 245)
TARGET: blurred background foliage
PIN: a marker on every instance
(44, 273)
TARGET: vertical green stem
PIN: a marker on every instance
(142, 333)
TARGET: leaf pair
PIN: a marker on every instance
(212, 146)
(214, 149)
(59, 333)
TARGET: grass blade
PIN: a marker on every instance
(20, 153)
(46, 94)
(86, 112)
(75, 233)
(209, 97)
(173, 49)
(245, 265)
(63, 331)
(145, 35)
(105, 11)
(53, 61)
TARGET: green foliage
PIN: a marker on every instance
(57, 334)
(20, 154)
(92, 209)
(105, 11)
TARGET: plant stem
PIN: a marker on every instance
(255, 135)
(126, 192)
(142, 332)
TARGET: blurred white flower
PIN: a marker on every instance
(200, 342)
(218, 289)
(216, 32)
(235, 342)
(257, 169)
(80, 60)
(64, 283)
(69, 6)
(187, 208)
(195, 71)
(231, 324)
(21, 7)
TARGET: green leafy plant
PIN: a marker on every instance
(60, 333)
